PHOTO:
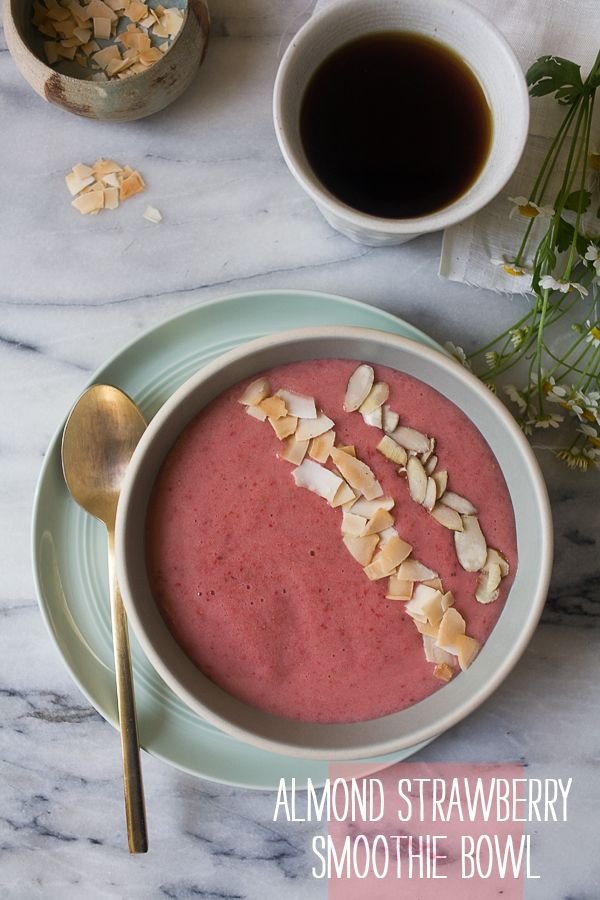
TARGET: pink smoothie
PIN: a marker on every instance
(253, 579)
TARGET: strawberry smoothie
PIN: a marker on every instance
(254, 581)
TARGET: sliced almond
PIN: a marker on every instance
(368, 508)
(375, 398)
(388, 447)
(311, 428)
(441, 481)
(411, 439)
(429, 452)
(316, 478)
(443, 672)
(344, 495)
(359, 387)
(467, 650)
(284, 426)
(471, 548)
(417, 479)
(351, 524)
(321, 446)
(361, 548)
(398, 589)
(447, 517)
(388, 559)
(275, 408)
(292, 450)
(413, 570)
(494, 556)
(151, 213)
(431, 464)
(489, 580)
(460, 504)
(298, 404)
(390, 418)
(451, 626)
(256, 413)
(378, 522)
(357, 474)
(374, 419)
(430, 494)
(256, 392)
(434, 654)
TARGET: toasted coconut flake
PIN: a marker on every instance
(447, 517)
(321, 446)
(104, 56)
(298, 405)
(411, 439)
(76, 184)
(441, 481)
(311, 428)
(434, 654)
(350, 449)
(344, 496)
(284, 426)
(368, 508)
(417, 479)
(443, 672)
(381, 519)
(352, 524)
(390, 418)
(316, 478)
(357, 473)
(361, 548)
(462, 506)
(425, 604)
(489, 580)
(471, 548)
(102, 29)
(111, 198)
(435, 583)
(388, 559)
(451, 626)
(494, 556)
(292, 450)
(256, 413)
(375, 398)
(374, 419)
(447, 600)
(425, 627)
(386, 535)
(431, 464)
(359, 387)
(430, 494)
(413, 570)
(256, 392)
(399, 589)
(89, 202)
(275, 408)
(467, 650)
(388, 447)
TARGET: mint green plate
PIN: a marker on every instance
(69, 547)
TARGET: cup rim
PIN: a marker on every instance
(451, 214)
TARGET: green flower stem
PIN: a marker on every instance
(585, 146)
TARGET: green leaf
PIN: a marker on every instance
(578, 201)
(555, 75)
(564, 235)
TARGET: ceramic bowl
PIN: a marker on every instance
(117, 100)
(451, 22)
(455, 700)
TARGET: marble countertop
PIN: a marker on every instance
(72, 292)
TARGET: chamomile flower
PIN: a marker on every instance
(584, 407)
(492, 359)
(458, 353)
(528, 209)
(592, 254)
(517, 336)
(547, 282)
(549, 420)
(591, 434)
(510, 267)
(516, 397)
(554, 392)
(593, 335)
(574, 458)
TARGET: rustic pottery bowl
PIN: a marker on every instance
(123, 100)
(454, 701)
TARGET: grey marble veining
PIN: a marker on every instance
(72, 292)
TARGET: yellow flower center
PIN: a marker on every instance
(529, 211)
(546, 387)
(589, 415)
(595, 333)
(512, 270)
(594, 441)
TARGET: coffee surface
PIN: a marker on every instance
(395, 125)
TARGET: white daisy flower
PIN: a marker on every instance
(551, 420)
(458, 353)
(510, 266)
(515, 396)
(547, 282)
(528, 209)
(593, 335)
(556, 393)
(592, 254)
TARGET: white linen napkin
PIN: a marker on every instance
(567, 28)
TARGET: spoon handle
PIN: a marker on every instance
(135, 810)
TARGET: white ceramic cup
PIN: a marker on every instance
(451, 22)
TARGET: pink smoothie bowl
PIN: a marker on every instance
(441, 710)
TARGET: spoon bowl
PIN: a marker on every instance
(101, 433)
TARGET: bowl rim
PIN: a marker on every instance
(378, 747)
(448, 215)
(109, 84)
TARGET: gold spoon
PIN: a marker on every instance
(102, 431)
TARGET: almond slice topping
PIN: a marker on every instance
(447, 517)
(460, 504)
(374, 419)
(417, 479)
(256, 392)
(388, 447)
(471, 548)
(357, 474)
(311, 428)
(359, 387)
(390, 418)
(494, 556)
(361, 548)
(489, 581)
(375, 399)
(298, 404)
(379, 521)
(430, 494)
(321, 446)
(411, 439)
(431, 464)
(441, 481)
(293, 450)
(318, 479)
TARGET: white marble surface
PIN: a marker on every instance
(72, 291)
